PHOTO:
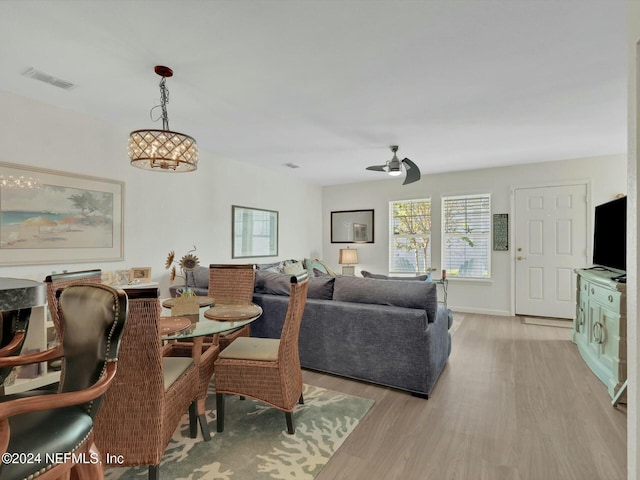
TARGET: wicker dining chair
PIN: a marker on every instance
(150, 393)
(232, 284)
(208, 355)
(266, 369)
(60, 280)
(57, 428)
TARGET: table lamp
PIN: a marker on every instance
(348, 257)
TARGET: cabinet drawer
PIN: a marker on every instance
(604, 296)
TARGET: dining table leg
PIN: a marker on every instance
(200, 407)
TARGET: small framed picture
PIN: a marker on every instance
(107, 277)
(121, 277)
(140, 274)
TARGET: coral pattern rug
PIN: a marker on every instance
(255, 444)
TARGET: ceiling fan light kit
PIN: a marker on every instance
(163, 150)
(395, 166)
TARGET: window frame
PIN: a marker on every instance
(487, 236)
(393, 237)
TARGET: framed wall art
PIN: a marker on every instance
(352, 226)
(48, 217)
(254, 232)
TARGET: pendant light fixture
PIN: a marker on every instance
(163, 150)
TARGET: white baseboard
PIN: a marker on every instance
(482, 311)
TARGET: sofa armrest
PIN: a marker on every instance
(444, 312)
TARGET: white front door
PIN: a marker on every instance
(550, 242)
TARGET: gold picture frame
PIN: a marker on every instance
(107, 277)
(140, 274)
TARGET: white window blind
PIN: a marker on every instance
(410, 236)
(466, 236)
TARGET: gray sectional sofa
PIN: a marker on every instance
(387, 332)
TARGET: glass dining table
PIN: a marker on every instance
(212, 320)
(221, 318)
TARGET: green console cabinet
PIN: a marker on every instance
(600, 325)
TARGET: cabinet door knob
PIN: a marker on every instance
(611, 298)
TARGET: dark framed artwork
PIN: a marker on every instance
(352, 226)
(254, 232)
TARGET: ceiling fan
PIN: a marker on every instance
(394, 167)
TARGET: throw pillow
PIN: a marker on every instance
(310, 265)
(321, 287)
(418, 278)
(280, 284)
(294, 268)
(270, 267)
(327, 267)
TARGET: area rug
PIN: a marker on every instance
(457, 321)
(255, 444)
(547, 322)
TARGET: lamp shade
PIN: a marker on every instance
(163, 151)
(348, 256)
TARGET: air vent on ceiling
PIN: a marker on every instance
(291, 165)
(50, 79)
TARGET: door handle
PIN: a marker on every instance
(520, 258)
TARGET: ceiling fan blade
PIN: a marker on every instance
(377, 168)
(413, 172)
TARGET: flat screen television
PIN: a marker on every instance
(610, 235)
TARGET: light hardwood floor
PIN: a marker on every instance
(514, 402)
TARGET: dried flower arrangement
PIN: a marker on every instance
(187, 263)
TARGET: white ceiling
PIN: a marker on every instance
(329, 85)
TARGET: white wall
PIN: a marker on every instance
(163, 211)
(607, 176)
(633, 261)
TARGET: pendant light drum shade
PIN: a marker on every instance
(163, 150)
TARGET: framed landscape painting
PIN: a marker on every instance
(48, 217)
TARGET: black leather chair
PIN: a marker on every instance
(13, 331)
(41, 429)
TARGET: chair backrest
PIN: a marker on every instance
(141, 352)
(94, 317)
(288, 351)
(57, 281)
(137, 391)
(232, 283)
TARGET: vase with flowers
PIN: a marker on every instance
(188, 263)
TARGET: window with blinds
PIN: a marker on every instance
(410, 236)
(466, 236)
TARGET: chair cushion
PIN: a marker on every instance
(173, 367)
(249, 348)
(46, 433)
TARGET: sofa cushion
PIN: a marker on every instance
(272, 283)
(199, 278)
(419, 295)
(280, 284)
(418, 278)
